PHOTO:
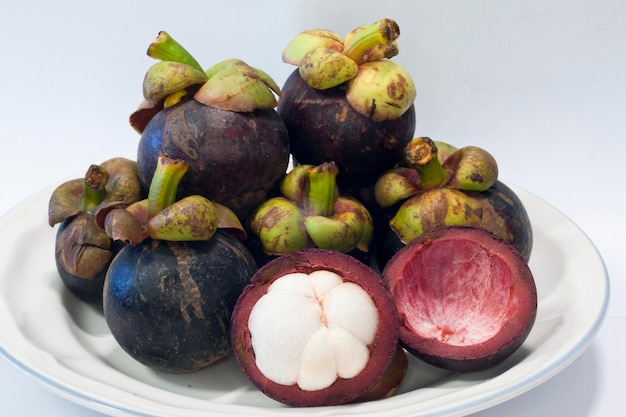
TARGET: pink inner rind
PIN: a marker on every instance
(456, 292)
(466, 299)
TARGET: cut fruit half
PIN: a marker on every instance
(466, 299)
(315, 327)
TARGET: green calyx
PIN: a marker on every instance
(165, 48)
(94, 187)
(436, 185)
(235, 86)
(375, 87)
(229, 85)
(434, 165)
(162, 217)
(435, 208)
(421, 155)
(311, 213)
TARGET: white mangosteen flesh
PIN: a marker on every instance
(311, 329)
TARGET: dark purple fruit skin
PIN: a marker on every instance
(234, 158)
(499, 199)
(168, 304)
(507, 204)
(323, 127)
(87, 290)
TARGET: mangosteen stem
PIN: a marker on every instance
(421, 155)
(165, 48)
(94, 187)
(164, 185)
(361, 42)
(322, 192)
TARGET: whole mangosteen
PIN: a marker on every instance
(83, 251)
(221, 121)
(348, 103)
(170, 292)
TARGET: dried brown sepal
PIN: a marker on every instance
(65, 201)
(140, 118)
(121, 225)
(229, 221)
(83, 248)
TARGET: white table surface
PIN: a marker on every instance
(541, 85)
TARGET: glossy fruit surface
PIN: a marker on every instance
(168, 304)
(324, 127)
(234, 158)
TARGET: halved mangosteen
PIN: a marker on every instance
(466, 299)
(315, 327)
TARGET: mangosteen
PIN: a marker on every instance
(466, 299)
(315, 327)
(310, 212)
(221, 121)
(168, 304)
(428, 190)
(348, 102)
(169, 293)
(83, 251)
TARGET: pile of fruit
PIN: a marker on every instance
(305, 230)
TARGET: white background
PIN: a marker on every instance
(541, 85)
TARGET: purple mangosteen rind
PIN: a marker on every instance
(235, 158)
(168, 304)
(324, 127)
(515, 327)
(382, 350)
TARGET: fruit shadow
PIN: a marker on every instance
(564, 394)
(89, 318)
(421, 375)
(223, 381)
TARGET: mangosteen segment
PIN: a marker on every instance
(329, 324)
(467, 299)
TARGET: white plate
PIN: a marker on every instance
(66, 345)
